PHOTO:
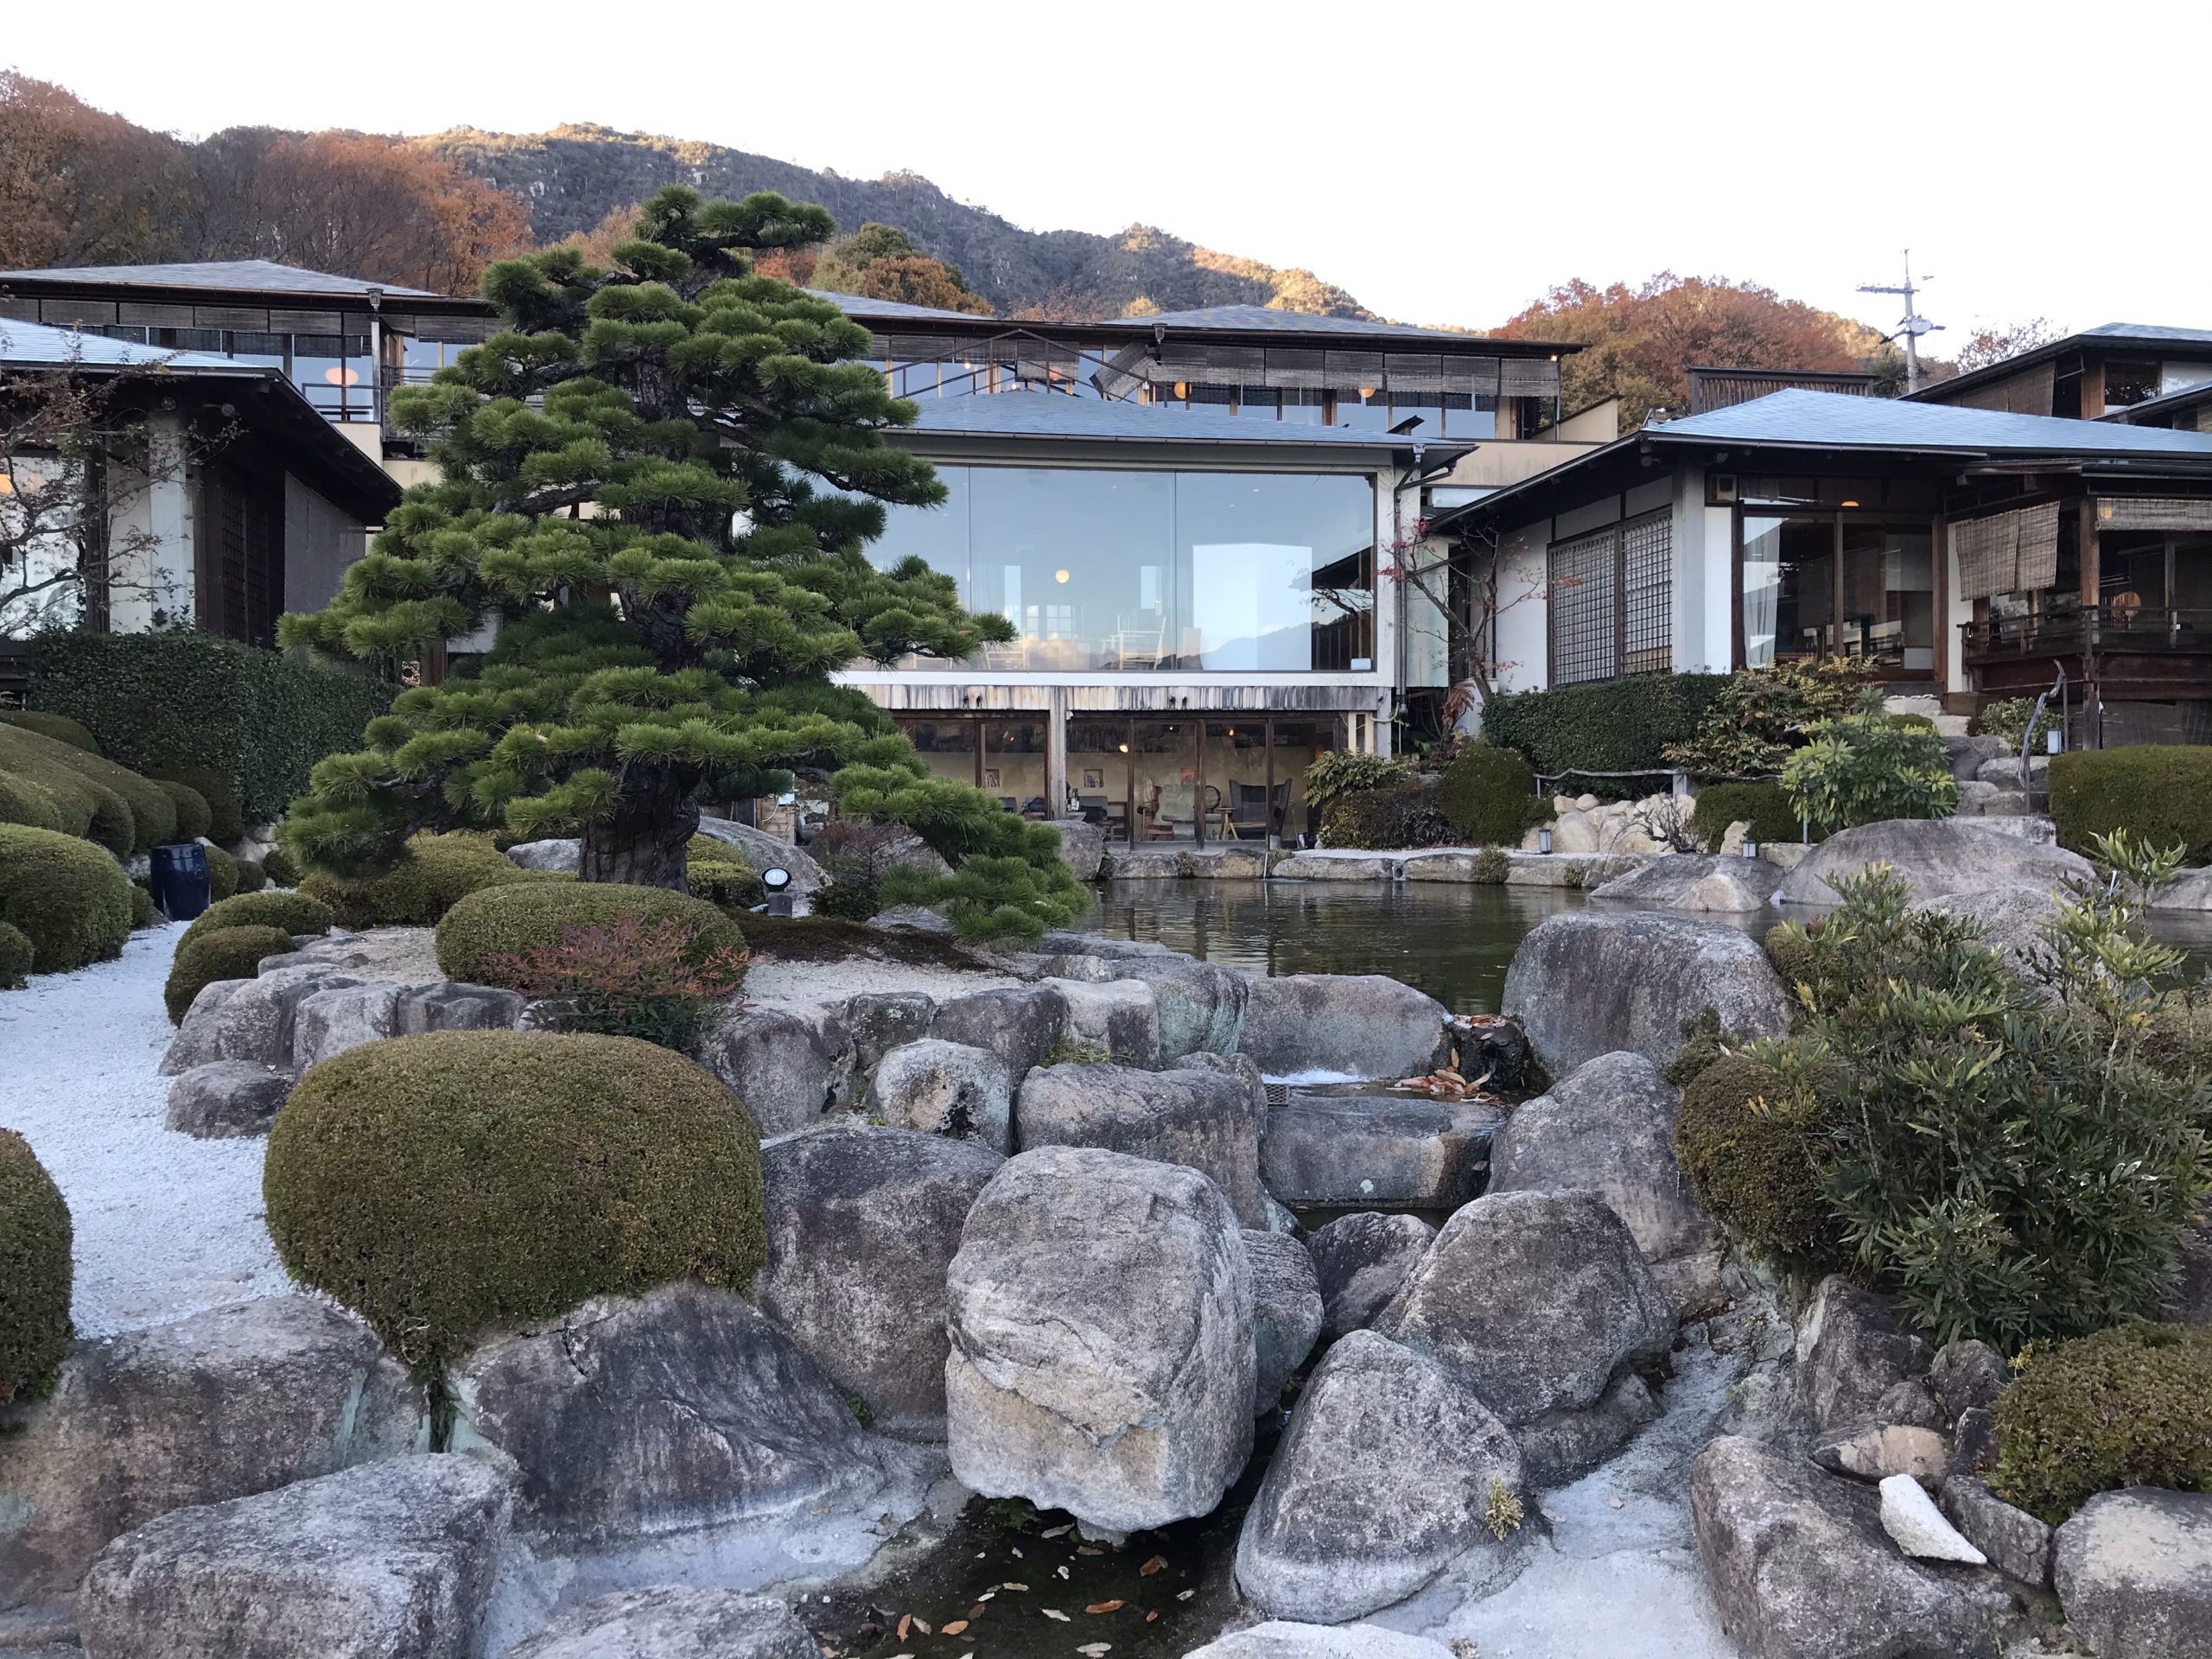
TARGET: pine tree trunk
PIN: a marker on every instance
(643, 843)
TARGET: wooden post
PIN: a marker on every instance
(2092, 579)
(2093, 389)
(1056, 752)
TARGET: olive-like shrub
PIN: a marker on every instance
(510, 921)
(1489, 795)
(15, 956)
(438, 873)
(67, 897)
(1862, 768)
(22, 801)
(2124, 1406)
(1750, 1140)
(226, 953)
(194, 818)
(445, 1184)
(222, 873)
(291, 913)
(35, 1273)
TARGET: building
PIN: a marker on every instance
(218, 495)
(1968, 553)
(2100, 372)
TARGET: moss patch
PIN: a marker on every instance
(1749, 1143)
(2127, 1406)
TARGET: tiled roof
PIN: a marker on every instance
(1272, 319)
(38, 344)
(240, 276)
(1829, 420)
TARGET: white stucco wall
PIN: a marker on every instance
(150, 564)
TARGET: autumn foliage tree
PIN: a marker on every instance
(880, 261)
(659, 478)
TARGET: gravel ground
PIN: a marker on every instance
(166, 1225)
(772, 980)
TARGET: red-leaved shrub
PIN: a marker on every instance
(652, 980)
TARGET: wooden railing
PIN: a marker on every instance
(2091, 627)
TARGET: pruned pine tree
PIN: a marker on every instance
(658, 479)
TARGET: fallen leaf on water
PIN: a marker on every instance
(1058, 1532)
(1062, 1571)
(1089, 1549)
(905, 1623)
(976, 1611)
(1017, 1555)
(921, 1626)
(981, 1600)
(1054, 1612)
(1184, 1595)
(1102, 1606)
(953, 1627)
(1151, 1566)
(1094, 1649)
(1149, 1616)
(1010, 1585)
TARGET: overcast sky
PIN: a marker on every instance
(1446, 163)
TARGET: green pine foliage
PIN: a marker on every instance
(729, 434)
(35, 1275)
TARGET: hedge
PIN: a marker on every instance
(35, 1273)
(68, 897)
(193, 700)
(437, 873)
(152, 814)
(226, 817)
(22, 801)
(60, 727)
(294, 912)
(194, 819)
(502, 921)
(1765, 807)
(226, 953)
(2161, 792)
(15, 956)
(1399, 814)
(1602, 726)
(448, 1184)
(1490, 796)
(2127, 1406)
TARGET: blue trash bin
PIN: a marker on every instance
(179, 880)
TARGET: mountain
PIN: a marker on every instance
(572, 177)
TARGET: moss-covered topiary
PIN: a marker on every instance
(721, 874)
(226, 953)
(153, 816)
(1765, 807)
(445, 1184)
(15, 958)
(279, 867)
(22, 801)
(142, 907)
(439, 871)
(251, 878)
(60, 727)
(1490, 796)
(1750, 1145)
(222, 873)
(293, 913)
(192, 818)
(67, 897)
(503, 920)
(35, 1273)
(226, 818)
(2127, 1406)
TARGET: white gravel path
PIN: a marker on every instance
(166, 1225)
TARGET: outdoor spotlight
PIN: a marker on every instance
(2052, 741)
(1543, 841)
(775, 878)
(1751, 847)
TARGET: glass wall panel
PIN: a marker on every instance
(1235, 791)
(1888, 596)
(1297, 744)
(1013, 765)
(1788, 588)
(1167, 753)
(1079, 560)
(1098, 771)
(947, 747)
(1280, 571)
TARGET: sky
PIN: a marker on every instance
(1446, 163)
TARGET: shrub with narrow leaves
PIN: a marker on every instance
(1864, 768)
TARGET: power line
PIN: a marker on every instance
(1913, 325)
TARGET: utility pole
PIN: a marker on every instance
(1913, 326)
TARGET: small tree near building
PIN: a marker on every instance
(659, 479)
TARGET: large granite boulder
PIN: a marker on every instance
(1118, 1017)
(1936, 856)
(250, 1019)
(1609, 1128)
(1362, 1260)
(2012, 919)
(221, 1405)
(1697, 881)
(763, 851)
(554, 856)
(1280, 1638)
(1535, 1299)
(879, 1021)
(1286, 1312)
(454, 1005)
(393, 1560)
(1019, 1024)
(673, 1621)
(1589, 983)
(790, 1063)
(630, 1419)
(1102, 1361)
(1380, 1482)
(1801, 1569)
(947, 1089)
(2133, 1570)
(862, 1225)
(226, 1098)
(1201, 1005)
(331, 1021)
(1349, 1025)
(1206, 1120)
(1855, 1357)
(1324, 1147)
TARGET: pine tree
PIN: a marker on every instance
(658, 479)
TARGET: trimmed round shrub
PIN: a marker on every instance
(227, 818)
(76, 798)
(438, 873)
(226, 953)
(222, 873)
(192, 817)
(251, 878)
(153, 816)
(15, 958)
(1765, 807)
(67, 897)
(60, 727)
(2127, 1406)
(293, 913)
(142, 907)
(279, 867)
(35, 1273)
(506, 920)
(721, 874)
(1490, 796)
(1750, 1146)
(22, 801)
(445, 1184)
(2159, 791)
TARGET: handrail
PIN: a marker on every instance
(2135, 627)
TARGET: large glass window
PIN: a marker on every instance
(1889, 597)
(1142, 571)
(1817, 586)
(1788, 589)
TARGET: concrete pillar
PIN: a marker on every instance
(151, 576)
(1056, 751)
